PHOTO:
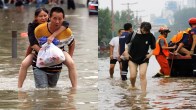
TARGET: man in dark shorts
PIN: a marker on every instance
(114, 54)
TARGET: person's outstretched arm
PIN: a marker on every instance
(193, 45)
(64, 26)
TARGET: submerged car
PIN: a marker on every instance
(93, 7)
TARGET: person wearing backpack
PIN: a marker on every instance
(122, 40)
(161, 52)
(186, 40)
(181, 39)
(139, 55)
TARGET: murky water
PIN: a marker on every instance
(85, 29)
(165, 94)
(162, 93)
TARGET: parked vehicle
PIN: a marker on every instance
(93, 7)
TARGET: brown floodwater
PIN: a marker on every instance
(177, 93)
(85, 30)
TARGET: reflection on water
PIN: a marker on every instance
(135, 100)
(46, 99)
(85, 29)
(162, 93)
(38, 99)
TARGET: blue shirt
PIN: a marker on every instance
(122, 41)
(193, 31)
(187, 39)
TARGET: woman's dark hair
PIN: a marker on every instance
(146, 26)
(58, 10)
(38, 10)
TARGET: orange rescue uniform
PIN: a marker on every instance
(161, 56)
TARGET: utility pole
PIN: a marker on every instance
(128, 8)
(129, 4)
(112, 18)
(137, 17)
(137, 11)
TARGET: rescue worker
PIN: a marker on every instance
(161, 52)
(186, 40)
(192, 23)
(181, 39)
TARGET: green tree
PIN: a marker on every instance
(105, 23)
(117, 25)
(104, 26)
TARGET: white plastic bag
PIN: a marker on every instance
(49, 55)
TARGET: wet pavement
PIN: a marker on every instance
(85, 30)
(162, 93)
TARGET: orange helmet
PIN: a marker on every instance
(192, 21)
(164, 29)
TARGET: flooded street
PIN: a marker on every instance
(95, 89)
(162, 93)
(85, 30)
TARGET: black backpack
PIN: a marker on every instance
(132, 37)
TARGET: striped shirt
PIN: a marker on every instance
(65, 38)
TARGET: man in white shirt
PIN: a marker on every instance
(114, 53)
